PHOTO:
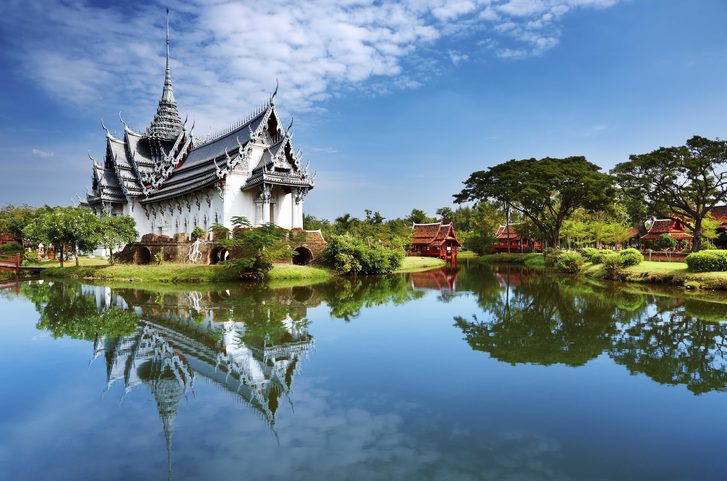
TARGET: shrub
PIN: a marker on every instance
(570, 262)
(197, 233)
(352, 255)
(10, 248)
(612, 263)
(158, 258)
(32, 257)
(631, 257)
(665, 241)
(707, 261)
(588, 253)
(249, 269)
(551, 256)
(707, 245)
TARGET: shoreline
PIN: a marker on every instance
(648, 272)
(282, 275)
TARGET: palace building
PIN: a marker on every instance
(170, 182)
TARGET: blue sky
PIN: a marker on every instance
(395, 103)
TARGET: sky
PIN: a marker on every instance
(395, 103)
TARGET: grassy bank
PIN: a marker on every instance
(672, 273)
(287, 275)
(181, 273)
(532, 260)
(648, 272)
(414, 264)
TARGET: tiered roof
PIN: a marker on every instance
(674, 228)
(167, 161)
(507, 232)
(433, 234)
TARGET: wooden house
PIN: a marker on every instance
(675, 228)
(508, 239)
(434, 240)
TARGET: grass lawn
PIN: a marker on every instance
(82, 260)
(531, 260)
(415, 263)
(287, 275)
(674, 273)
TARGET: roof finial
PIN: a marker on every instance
(168, 93)
(275, 92)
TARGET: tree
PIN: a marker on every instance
(116, 231)
(418, 216)
(374, 218)
(446, 214)
(64, 227)
(681, 183)
(544, 191)
(13, 219)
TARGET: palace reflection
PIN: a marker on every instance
(249, 346)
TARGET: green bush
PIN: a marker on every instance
(588, 253)
(197, 233)
(707, 245)
(570, 262)
(352, 255)
(551, 256)
(32, 257)
(707, 261)
(631, 257)
(612, 263)
(665, 241)
(10, 248)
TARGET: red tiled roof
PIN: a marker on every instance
(666, 226)
(719, 214)
(507, 232)
(433, 234)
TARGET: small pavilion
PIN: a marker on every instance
(508, 238)
(434, 240)
(674, 228)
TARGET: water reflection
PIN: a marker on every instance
(252, 344)
(530, 317)
(250, 348)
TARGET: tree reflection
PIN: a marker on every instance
(540, 322)
(549, 319)
(673, 347)
(66, 311)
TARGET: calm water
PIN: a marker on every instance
(459, 374)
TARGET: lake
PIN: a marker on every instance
(472, 372)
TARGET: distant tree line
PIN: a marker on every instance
(570, 201)
(67, 229)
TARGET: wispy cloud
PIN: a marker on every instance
(323, 150)
(226, 56)
(44, 154)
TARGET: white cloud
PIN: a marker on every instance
(227, 55)
(44, 154)
(457, 57)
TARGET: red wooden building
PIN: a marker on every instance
(675, 228)
(508, 237)
(719, 214)
(434, 240)
(6, 238)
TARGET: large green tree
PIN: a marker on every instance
(544, 191)
(115, 231)
(684, 182)
(13, 219)
(64, 228)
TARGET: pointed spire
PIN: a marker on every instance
(168, 93)
(167, 124)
